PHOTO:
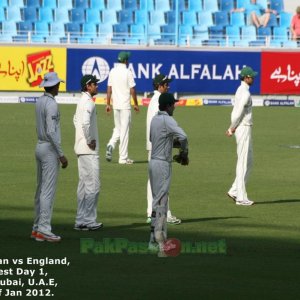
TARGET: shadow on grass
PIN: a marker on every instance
(278, 201)
(209, 219)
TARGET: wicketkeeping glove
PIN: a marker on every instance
(182, 158)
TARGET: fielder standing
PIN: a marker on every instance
(241, 125)
(87, 151)
(48, 155)
(121, 87)
(163, 131)
(161, 85)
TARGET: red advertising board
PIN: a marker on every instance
(280, 73)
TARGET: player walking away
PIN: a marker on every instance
(87, 151)
(241, 125)
(121, 87)
(163, 131)
(161, 85)
(49, 154)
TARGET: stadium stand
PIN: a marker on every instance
(142, 22)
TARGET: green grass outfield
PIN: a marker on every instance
(263, 244)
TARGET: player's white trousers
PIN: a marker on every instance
(88, 189)
(47, 174)
(122, 119)
(160, 178)
(243, 135)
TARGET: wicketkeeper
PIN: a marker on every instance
(163, 132)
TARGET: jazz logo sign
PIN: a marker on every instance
(38, 65)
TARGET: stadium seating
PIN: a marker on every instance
(35, 3)
(66, 4)
(130, 4)
(125, 16)
(13, 13)
(277, 5)
(237, 19)
(226, 5)
(285, 19)
(46, 14)
(30, 13)
(77, 15)
(221, 18)
(49, 3)
(189, 18)
(188, 22)
(97, 4)
(194, 5)
(92, 15)
(147, 5)
(81, 4)
(16, 3)
(210, 5)
(162, 5)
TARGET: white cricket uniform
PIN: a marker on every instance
(121, 80)
(164, 129)
(47, 153)
(151, 112)
(241, 119)
(85, 122)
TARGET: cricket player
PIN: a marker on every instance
(161, 85)
(49, 154)
(241, 126)
(163, 131)
(120, 88)
(87, 150)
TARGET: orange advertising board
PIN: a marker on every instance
(23, 68)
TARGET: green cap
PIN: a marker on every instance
(166, 99)
(161, 79)
(86, 79)
(123, 56)
(247, 71)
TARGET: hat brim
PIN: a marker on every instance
(50, 83)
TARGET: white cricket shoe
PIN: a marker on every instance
(173, 220)
(231, 196)
(244, 202)
(127, 161)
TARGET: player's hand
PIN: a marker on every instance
(108, 108)
(136, 108)
(230, 132)
(92, 145)
(64, 162)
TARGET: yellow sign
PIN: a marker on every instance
(23, 68)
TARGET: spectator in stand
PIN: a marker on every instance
(256, 14)
(295, 25)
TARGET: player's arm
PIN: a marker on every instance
(134, 97)
(108, 98)
(237, 113)
(51, 124)
(86, 124)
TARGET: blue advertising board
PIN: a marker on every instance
(200, 72)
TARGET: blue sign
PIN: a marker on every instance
(200, 72)
(275, 102)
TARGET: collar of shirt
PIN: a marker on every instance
(121, 65)
(162, 113)
(87, 95)
(244, 84)
(49, 95)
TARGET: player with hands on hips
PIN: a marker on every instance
(163, 131)
(241, 126)
(87, 151)
(161, 85)
(49, 155)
